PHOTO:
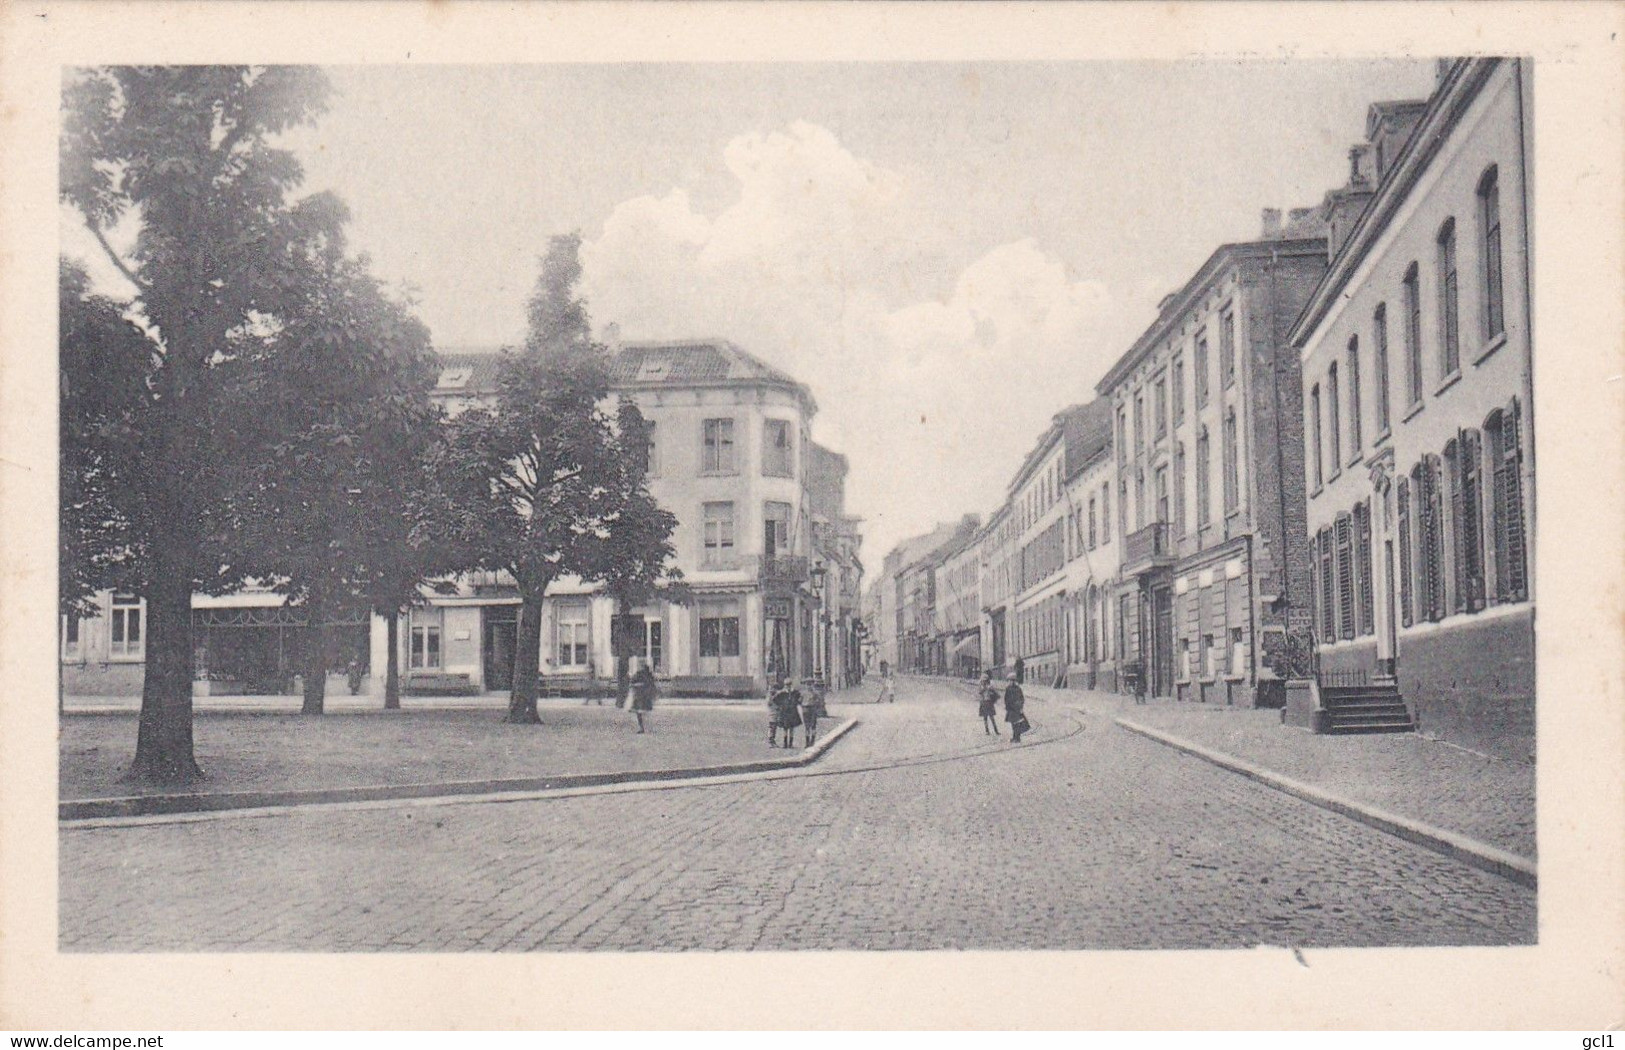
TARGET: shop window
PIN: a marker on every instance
(719, 636)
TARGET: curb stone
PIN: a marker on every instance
(204, 802)
(1458, 847)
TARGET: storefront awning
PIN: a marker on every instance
(969, 645)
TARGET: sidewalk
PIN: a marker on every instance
(1485, 799)
(344, 703)
(257, 759)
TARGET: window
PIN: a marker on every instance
(1227, 348)
(1449, 332)
(1238, 665)
(1105, 513)
(70, 637)
(778, 449)
(572, 629)
(1164, 510)
(1199, 363)
(1506, 502)
(718, 454)
(1179, 389)
(126, 635)
(1334, 421)
(1122, 433)
(1093, 534)
(719, 534)
(1413, 336)
(425, 646)
(653, 644)
(1203, 482)
(1232, 466)
(1467, 532)
(1356, 438)
(775, 529)
(651, 453)
(1139, 499)
(1122, 508)
(1179, 490)
(1402, 504)
(1162, 408)
(719, 636)
(1379, 332)
(1315, 436)
(1139, 423)
(1489, 225)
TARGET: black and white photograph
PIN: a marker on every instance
(705, 507)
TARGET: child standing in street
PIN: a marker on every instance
(812, 709)
(988, 704)
(643, 696)
(785, 710)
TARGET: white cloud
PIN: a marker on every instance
(935, 400)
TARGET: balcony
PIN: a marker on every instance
(783, 569)
(1150, 548)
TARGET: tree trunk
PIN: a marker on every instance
(163, 747)
(315, 662)
(622, 679)
(527, 657)
(392, 664)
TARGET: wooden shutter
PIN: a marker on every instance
(1517, 565)
(1328, 604)
(1432, 498)
(1345, 577)
(1362, 568)
(1458, 531)
(1402, 500)
(1472, 520)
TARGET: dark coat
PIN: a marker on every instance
(1014, 701)
(786, 705)
(643, 690)
(989, 701)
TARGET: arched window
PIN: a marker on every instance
(1489, 241)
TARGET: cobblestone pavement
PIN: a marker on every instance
(916, 832)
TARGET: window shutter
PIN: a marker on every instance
(1328, 605)
(1517, 586)
(1472, 496)
(1345, 577)
(1456, 457)
(1362, 567)
(1402, 499)
(1433, 541)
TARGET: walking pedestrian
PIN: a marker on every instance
(1021, 670)
(988, 705)
(785, 713)
(812, 709)
(888, 684)
(1015, 705)
(643, 696)
(593, 696)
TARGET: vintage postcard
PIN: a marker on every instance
(619, 515)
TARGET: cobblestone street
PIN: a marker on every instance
(915, 832)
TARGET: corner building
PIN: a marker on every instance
(1209, 482)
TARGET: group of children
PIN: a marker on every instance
(788, 707)
(1015, 706)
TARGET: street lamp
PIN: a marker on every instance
(820, 631)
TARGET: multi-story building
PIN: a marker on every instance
(1038, 505)
(730, 456)
(959, 605)
(1209, 473)
(903, 599)
(1416, 375)
(837, 572)
(998, 543)
(1091, 568)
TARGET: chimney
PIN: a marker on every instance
(1272, 222)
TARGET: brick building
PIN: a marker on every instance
(1417, 359)
(1207, 425)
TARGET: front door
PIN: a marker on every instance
(497, 645)
(1387, 660)
(1163, 644)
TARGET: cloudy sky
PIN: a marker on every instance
(947, 253)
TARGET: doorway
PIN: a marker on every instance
(1162, 604)
(498, 635)
(1387, 659)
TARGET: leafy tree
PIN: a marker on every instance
(631, 553)
(337, 396)
(104, 364)
(540, 458)
(221, 253)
